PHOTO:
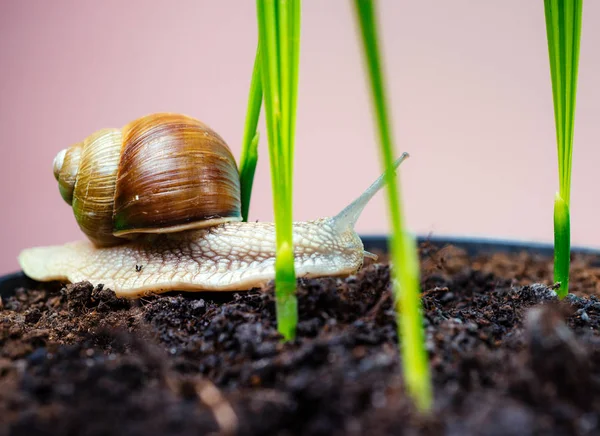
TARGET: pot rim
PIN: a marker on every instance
(479, 244)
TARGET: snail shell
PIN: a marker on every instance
(161, 173)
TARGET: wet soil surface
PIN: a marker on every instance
(506, 357)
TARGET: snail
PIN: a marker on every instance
(159, 202)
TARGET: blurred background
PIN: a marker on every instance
(470, 91)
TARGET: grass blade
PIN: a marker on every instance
(562, 245)
(279, 31)
(249, 154)
(563, 32)
(405, 271)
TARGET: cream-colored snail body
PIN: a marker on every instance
(159, 201)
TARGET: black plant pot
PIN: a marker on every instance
(473, 246)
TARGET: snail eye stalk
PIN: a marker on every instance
(563, 31)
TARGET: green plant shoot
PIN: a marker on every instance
(249, 155)
(279, 41)
(405, 271)
(563, 30)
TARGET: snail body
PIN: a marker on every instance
(153, 226)
(227, 257)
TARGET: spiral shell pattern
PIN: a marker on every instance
(161, 173)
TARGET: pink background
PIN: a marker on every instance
(469, 84)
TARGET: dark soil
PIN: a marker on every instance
(506, 357)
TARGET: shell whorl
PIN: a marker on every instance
(95, 186)
(174, 160)
(161, 173)
(66, 164)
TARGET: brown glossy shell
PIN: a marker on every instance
(66, 164)
(94, 193)
(175, 173)
(161, 173)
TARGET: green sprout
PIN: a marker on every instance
(279, 42)
(249, 154)
(403, 251)
(563, 28)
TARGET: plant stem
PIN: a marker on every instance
(249, 155)
(562, 245)
(405, 271)
(286, 304)
(279, 39)
(563, 31)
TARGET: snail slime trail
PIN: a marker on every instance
(159, 202)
